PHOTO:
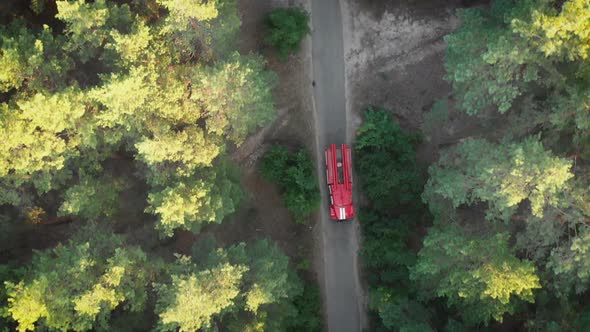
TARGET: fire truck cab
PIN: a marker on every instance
(339, 179)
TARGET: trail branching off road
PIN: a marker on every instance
(342, 291)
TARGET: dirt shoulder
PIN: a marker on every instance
(394, 58)
(262, 213)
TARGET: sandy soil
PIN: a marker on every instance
(394, 58)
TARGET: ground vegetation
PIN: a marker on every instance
(127, 109)
(293, 172)
(286, 29)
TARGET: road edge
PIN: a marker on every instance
(319, 261)
(350, 130)
(345, 14)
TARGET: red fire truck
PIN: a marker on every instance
(339, 178)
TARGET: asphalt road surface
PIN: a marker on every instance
(342, 290)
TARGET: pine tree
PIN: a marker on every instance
(480, 276)
(502, 175)
(76, 286)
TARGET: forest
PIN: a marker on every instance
(107, 107)
(494, 235)
(117, 121)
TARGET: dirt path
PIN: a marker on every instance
(342, 291)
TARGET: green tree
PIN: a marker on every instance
(38, 142)
(502, 175)
(92, 198)
(37, 6)
(224, 29)
(89, 25)
(128, 50)
(199, 28)
(29, 155)
(535, 49)
(486, 62)
(386, 160)
(270, 279)
(294, 173)
(8, 273)
(480, 276)
(193, 297)
(309, 308)
(384, 251)
(559, 33)
(541, 235)
(133, 91)
(272, 297)
(386, 165)
(570, 265)
(182, 11)
(554, 314)
(387, 258)
(34, 59)
(189, 149)
(245, 287)
(273, 164)
(123, 99)
(398, 312)
(187, 27)
(565, 218)
(76, 286)
(187, 203)
(286, 29)
(234, 96)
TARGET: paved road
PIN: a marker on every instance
(342, 290)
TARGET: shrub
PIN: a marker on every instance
(390, 178)
(287, 27)
(309, 308)
(386, 160)
(293, 172)
(437, 117)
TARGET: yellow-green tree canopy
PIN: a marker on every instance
(235, 96)
(199, 28)
(38, 141)
(192, 298)
(76, 286)
(220, 284)
(154, 89)
(189, 202)
(501, 175)
(478, 275)
(119, 82)
(91, 25)
(524, 48)
(35, 59)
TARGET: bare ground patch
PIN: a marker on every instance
(394, 58)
